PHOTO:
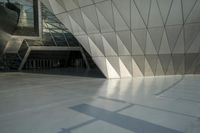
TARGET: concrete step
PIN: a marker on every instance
(13, 45)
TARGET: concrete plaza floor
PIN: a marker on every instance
(42, 103)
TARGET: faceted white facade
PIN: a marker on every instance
(129, 38)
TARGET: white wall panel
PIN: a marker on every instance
(128, 38)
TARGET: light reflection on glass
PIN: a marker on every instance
(26, 18)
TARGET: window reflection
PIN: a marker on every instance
(28, 16)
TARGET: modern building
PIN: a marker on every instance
(90, 66)
(135, 38)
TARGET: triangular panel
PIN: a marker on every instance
(187, 6)
(164, 46)
(105, 9)
(179, 47)
(181, 69)
(159, 69)
(170, 70)
(136, 50)
(124, 9)
(136, 70)
(114, 61)
(191, 31)
(189, 61)
(104, 25)
(94, 49)
(164, 60)
(173, 34)
(152, 60)
(127, 61)
(97, 39)
(197, 66)
(136, 20)
(195, 46)
(90, 12)
(78, 28)
(143, 7)
(156, 36)
(122, 50)
(90, 27)
(112, 40)
(140, 61)
(155, 19)
(175, 15)
(140, 36)
(69, 4)
(164, 6)
(56, 6)
(125, 37)
(119, 22)
(124, 73)
(149, 49)
(148, 70)
(77, 17)
(83, 3)
(112, 73)
(96, 1)
(101, 63)
(61, 3)
(109, 51)
(194, 66)
(177, 61)
(83, 40)
(64, 18)
(195, 13)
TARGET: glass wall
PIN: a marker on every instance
(26, 18)
(27, 11)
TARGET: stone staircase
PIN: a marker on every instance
(11, 59)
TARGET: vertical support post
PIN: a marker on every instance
(85, 59)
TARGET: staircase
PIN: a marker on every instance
(12, 61)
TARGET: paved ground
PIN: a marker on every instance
(41, 103)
